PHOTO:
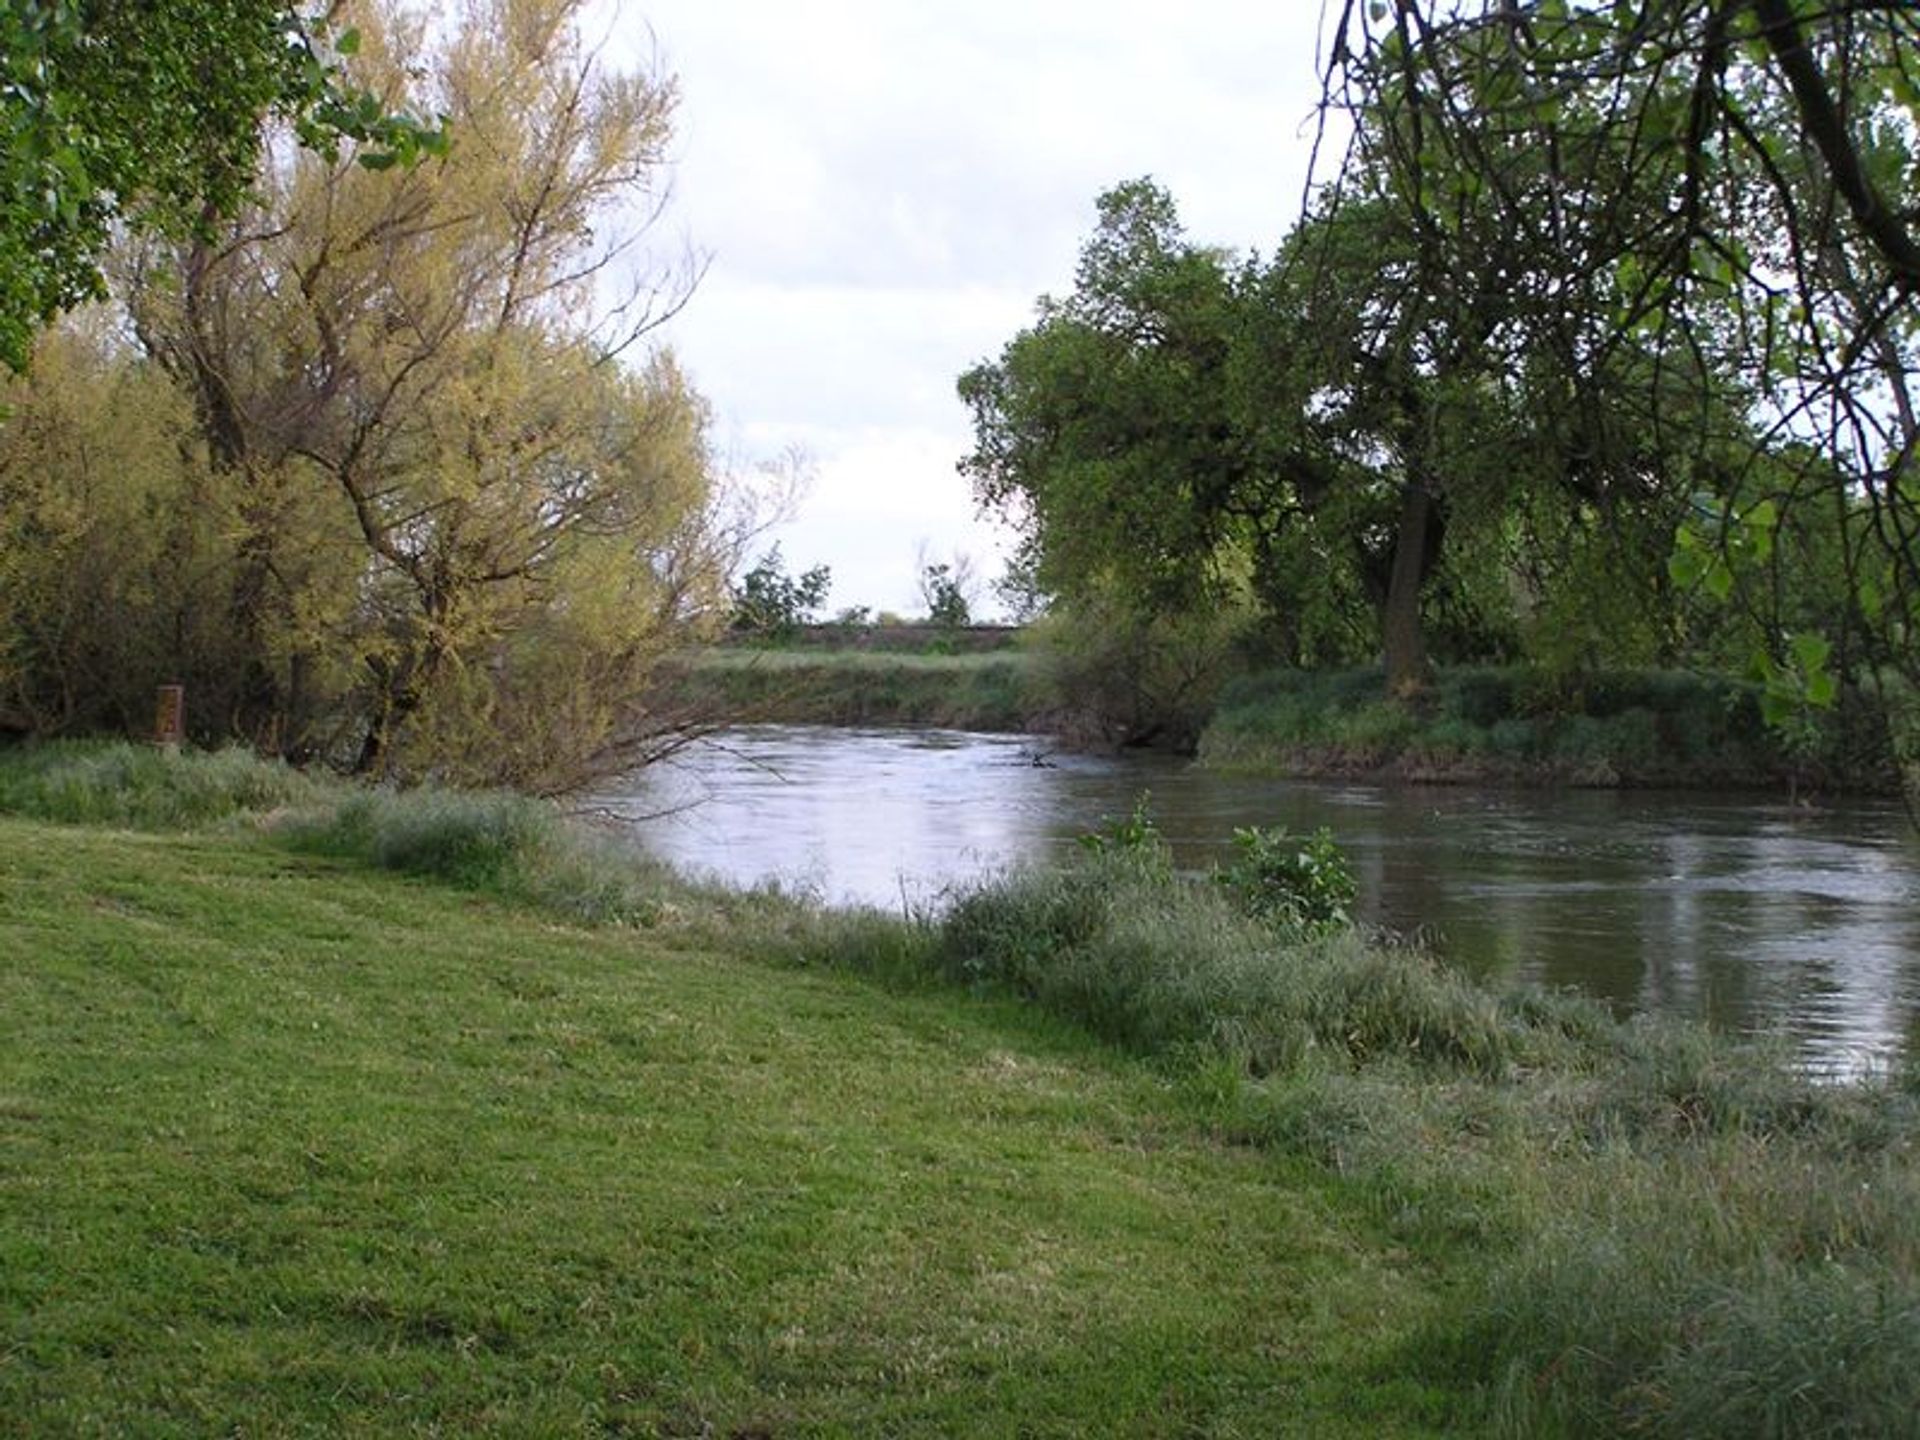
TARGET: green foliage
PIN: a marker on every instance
(1373, 465)
(115, 555)
(1709, 284)
(1109, 425)
(1110, 673)
(1134, 835)
(1163, 963)
(153, 115)
(1680, 1299)
(771, 603)
(507, 845)
(987, 690)
(1301, 881)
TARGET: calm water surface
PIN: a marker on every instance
(1749, 912)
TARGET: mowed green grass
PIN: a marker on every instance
(289, 1147)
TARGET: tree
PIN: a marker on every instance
(152, 114)
(473, 510)
(1097, 429)
(1728, 185)
(948, 588)
(110, 543)
(945, 597)
(770, 602)
(1369, 449)
(1185, 428)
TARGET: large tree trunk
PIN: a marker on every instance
(1415, 548)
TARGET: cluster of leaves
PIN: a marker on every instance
(1133, 834)
(1730, 185)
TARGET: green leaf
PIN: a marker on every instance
(1718, 580)
(1810, 651)
(1870, 599)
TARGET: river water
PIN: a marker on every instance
(1748, 912)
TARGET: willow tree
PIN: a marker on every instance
(475, 500)
(112, 546)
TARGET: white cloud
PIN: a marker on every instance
(886, 188)
(876, 499)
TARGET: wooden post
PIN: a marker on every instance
(170, 718)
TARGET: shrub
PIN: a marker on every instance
(1302, 881)
(1480, 696)
(1114, 674)
(1135, 835)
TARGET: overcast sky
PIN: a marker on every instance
(885, 188)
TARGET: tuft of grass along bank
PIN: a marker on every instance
(1511, 724)
(987, 690)
(1525, 1217)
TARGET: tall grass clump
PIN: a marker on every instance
(512, 846)
(143, 787)
(1158, 963)
(1741, 1287)
(1670, 1231)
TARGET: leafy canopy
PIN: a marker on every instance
(152, 114)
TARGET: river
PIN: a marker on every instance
(1745, 911)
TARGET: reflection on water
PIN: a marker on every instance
(1746, 911)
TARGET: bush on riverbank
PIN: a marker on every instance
(1644, 1226)
(1511, 723)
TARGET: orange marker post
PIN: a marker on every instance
(170, 718)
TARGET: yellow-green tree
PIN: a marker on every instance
(114, 549)
(473, 505)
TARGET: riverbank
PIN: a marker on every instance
(1480, 725)
(981, 689)
(342, 1110)
(1477, 725)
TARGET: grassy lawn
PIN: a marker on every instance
(289, 1146)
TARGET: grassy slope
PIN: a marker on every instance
(291, 1147)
